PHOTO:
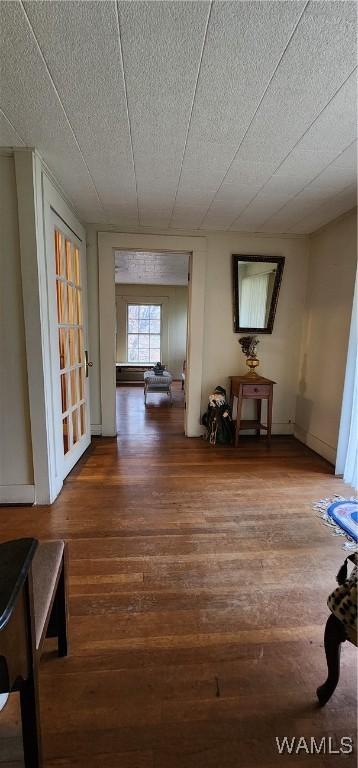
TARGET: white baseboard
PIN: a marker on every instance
(319, 446)
(96, 429)
(17, 494)
(276, 429)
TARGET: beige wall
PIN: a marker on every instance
(279, 352)
(332, 267)
(16, 470)
(174, 300)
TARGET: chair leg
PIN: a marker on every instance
(61, 598)
(334, 636)
(57, 626)
(30, 717)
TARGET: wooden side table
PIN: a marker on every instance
(258, 388)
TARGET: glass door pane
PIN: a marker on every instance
(70, 328)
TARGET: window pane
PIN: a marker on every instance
(132, 348)
(155, 340)
(62, 340)
(76, 266)
(61, 302)
(58, 252)
(155, 326)
(66, 430)
(68, 249)
(143, 333)
(75, 434)
(64, 395)
(132, 325)
(132, 356)
(81, 375)
(144, 311)
(78, 300)
(144, 341)
(133, 310)
(144, 326)
(83, 419)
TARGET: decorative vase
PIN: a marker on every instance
(252, 363)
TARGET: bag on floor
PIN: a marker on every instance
(218, 419)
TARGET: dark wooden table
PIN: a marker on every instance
(252, 388)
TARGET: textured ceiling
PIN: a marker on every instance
(149, 268)
(191, 115)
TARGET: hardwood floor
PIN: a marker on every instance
(198, 585)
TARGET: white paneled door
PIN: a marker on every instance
(68, 336)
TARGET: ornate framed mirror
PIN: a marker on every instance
(256, 282)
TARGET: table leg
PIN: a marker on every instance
(269, 416)
(258, 416)
(238, 417)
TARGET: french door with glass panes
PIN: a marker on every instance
(69, 346)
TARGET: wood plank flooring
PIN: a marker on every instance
(198, 585)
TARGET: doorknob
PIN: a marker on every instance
(88, 364)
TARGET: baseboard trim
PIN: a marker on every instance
(316, 445)
(17, 494)
(96, 429)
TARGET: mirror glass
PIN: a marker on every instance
(256, 287)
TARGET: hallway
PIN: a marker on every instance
(157, 418)
(198, 585)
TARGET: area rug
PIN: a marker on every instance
(342, 516)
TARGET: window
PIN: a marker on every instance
(143, 333)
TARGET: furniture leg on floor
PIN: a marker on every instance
(334, 636)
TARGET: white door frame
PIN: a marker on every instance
(38, 194)
(197, 246)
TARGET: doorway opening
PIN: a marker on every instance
(151, 307)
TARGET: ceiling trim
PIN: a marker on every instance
(342, 216)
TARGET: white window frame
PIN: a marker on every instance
(142, 303)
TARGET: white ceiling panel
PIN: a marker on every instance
(197, 115)
(320, 57)
(308, 77)
(30, 102)
(150, 268)
(80, 43)
(162, 44)
(336, 126)
(243, 46)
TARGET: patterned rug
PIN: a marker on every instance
(342, 516)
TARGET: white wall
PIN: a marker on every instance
(278, 353)
(174, 320)
(16, 471)
(332, 268)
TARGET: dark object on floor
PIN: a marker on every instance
(33, 606)
(183, 375)
(217, 419)
(341, 626)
